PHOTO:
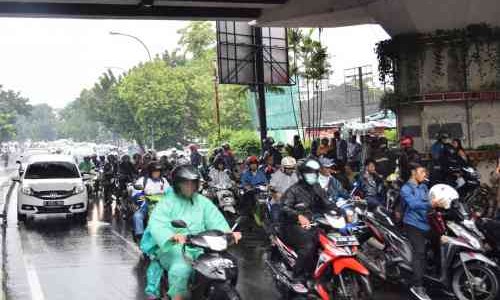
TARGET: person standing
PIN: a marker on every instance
(416, 206)
(341, 148)
(298, 151)
(354, 153)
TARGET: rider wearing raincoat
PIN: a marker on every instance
(163, 242)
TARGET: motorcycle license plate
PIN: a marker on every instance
(53, 203)
(343, 241)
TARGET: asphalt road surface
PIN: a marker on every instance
(57, 259)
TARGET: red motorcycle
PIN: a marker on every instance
(337, 275)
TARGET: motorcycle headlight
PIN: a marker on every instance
(27, 190)
(79, 189)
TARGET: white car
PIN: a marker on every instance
(51, 185)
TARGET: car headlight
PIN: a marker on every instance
(27, 190)
(79, 189)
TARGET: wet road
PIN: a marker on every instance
(57, 259)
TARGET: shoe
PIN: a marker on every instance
(419, 293)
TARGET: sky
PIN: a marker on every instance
(52, 60)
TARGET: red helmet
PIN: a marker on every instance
(193, 147)
(406, 142)
(252, 160)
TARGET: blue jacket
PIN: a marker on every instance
(416, 205)
(335, 190)
(247, 178)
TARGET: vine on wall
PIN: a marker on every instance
(468, 41)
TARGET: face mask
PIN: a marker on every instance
(311, 178)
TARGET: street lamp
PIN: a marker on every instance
(135, 38)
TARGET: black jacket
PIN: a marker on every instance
(313, 198)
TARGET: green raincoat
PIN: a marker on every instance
(200, 214)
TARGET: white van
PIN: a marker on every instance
(51, 185)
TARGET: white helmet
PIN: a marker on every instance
(288, 162)
(445, 192)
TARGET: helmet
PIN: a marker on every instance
(308, 170)
(218, 160)
(326, 162)
(288, 162)
(308, 166)
(252, 160)
(193, 147)
(445, 192)
(184, 173)
(225, 146)
(218, 151)
(406, 141)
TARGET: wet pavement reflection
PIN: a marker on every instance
(58, 259)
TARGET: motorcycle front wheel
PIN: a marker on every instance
(483, 284)
(353, 286)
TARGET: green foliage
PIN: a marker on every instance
(197, 38)
(243, 142)
(12, 105)
(40, 125)
(391, 100)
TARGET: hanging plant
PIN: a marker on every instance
(471, 37)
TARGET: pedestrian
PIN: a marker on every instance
(341, 146)
(408, 155)
(372, 185)
(354, 153)
(298, 151)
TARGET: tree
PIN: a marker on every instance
(197, 38)
(40, 125)
(12, 105)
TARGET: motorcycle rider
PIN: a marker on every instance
(110, 169)
(153, 185)
(86, 166)
(301, 202)
(330, 184)
(183, 202)
(195, 156)
(408, 155)
(416, 206)
(251, 178)
(268, 166)
(219, 175)
(372, 185)
(281, 180)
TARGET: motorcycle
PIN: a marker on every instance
(337, 275)
(465, 270)
(260, 196)
(216, 271)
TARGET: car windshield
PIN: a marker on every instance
(51, 170)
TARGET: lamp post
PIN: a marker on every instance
(135, 38)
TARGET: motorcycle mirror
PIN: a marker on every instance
(178, 224)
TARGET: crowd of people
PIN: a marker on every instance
(316, 180)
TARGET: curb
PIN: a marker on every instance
(4, 205)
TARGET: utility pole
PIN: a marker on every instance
(217, 108)
(361, 95)
(261, 90)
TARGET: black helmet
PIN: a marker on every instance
(125, 158)
(218, 160)
(309, 165)
(184, 173)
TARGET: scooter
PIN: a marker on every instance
(216, 271)
(465, 270)
(337, 275)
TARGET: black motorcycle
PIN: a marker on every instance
(216, 271)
